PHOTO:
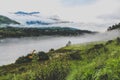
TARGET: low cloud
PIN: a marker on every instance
(17, 47)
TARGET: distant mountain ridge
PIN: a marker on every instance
(49, 29)
(6, 32)
(6, 20)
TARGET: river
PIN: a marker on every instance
(12, 48)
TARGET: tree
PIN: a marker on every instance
(69, 43)
(51, 50)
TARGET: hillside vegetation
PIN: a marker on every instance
(92, 61)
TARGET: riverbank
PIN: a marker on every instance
(85, 62)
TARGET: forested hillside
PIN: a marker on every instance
(42, 31)
(6, 20)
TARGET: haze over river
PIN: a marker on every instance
(12, 48)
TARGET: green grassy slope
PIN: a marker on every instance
(92, 61)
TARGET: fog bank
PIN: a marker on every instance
(12, 48)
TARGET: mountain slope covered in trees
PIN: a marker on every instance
(42, 31)
(7, 30)
(6, 20)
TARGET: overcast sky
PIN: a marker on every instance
(86, 11)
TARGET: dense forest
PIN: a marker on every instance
(91, 61)
(23, 32)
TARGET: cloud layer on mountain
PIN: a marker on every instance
(89, 12)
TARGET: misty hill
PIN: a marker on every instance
(6, 20)
(114, 27)
(27, 32)
(91, 61)
(22, 31)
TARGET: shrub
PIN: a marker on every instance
(43, 56)
(51, 50)
(109, 42)
(23, 59)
